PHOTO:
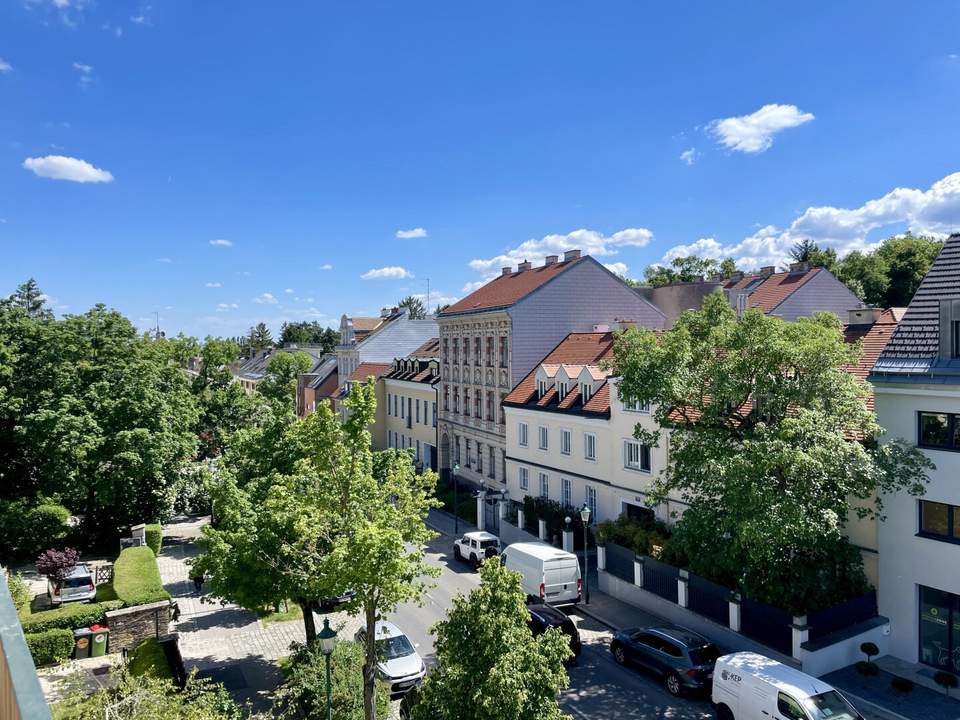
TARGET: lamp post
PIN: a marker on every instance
(456, 515)
(327, 638)
(585, 517)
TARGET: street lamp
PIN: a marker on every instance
(328, 639)
(585, 517)
(456, 515)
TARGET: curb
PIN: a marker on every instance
(584, 610)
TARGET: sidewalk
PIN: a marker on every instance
(921, 703)
(443, 523)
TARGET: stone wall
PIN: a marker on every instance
(130, 626)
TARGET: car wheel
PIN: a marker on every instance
(673, 684)
(618, 654)
(456, 552)
(474, 561)
(724, 713)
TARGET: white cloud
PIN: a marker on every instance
(437, 297)
(471, 286)
(226, 307)
(391, 272)
(5, 67)
(412, 233)
(214, 285)
(61, 4)
(689, 156)
(289, 291)
(265, 299)
(932, 211)
(59, 167)
(220, 242)
(754, 133)
(590, 242)
(82, 68)
(326, 266)
(617, 268)
(164, 260)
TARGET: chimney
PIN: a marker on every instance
(571, 255)
(550, 260)
(716, 277)
(384, 312)
(767, 270)
(799, 267)
(504, 271)
(864, 315)
(525, 265)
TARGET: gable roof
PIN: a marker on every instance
(430, 349)
(366, 369)
(505, 290)
(874, 338)
(778, 287)
(915, 346)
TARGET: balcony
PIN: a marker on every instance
(20, 695)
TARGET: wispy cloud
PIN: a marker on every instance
(226, 307)
(689, 156)
(617, 268)
(391, 272)
(754, 133)
(220, 242)
(412, 233)
(288, 291)
(164, 260)
(214, 285)
(265, 299)
(86, 73)
(60, 167)
(326, 266)
(5, 67)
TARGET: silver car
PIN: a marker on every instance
(399, 664)
(77, 586)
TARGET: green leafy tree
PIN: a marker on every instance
(308, 333)
(414, 306)
(807, 251)
(279, 384)
(681, 269)
(259, 337)
(489, 664)
(908, 258)
(30, 299)
(867, 275)
(761, 414)
(728, 267)
(224, 407)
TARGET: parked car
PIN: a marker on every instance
(748, 685)
(546, 574)
(398, 664)
(683, 658)
(332, 603)
(77, 586)
(545, 616)
(475, 547)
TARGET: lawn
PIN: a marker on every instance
(291, 612)
(148, 658)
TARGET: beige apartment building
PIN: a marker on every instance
(410, 404)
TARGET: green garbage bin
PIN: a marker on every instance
(98, 640)
(81, 643)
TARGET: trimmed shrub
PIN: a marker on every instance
(867, 669)
(19, 591)
(869, 649)
(148, 658)
(154, 537)
(901, 684)
(136, 577)
(68, 617)
(50, 647)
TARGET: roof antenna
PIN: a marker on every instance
(428, 296)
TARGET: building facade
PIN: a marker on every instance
(917, 397)
(411, 411)
(491, 339)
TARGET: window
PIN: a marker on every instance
(566, 493)
(476, 351)
(503, 416)
(434, 414)
(561, 390)
(418, 410)
(524, 477)
(939, 629)
(409, 412)
(466, 402)
(478, 404)
(446, 398)
(586, 392)
(503, 352)
(490, 351)
(636, 406)
(544, 485)
(541, 388)
(456, 350)
(522, 434)
(490, 406)
(492, 464)
(955, 340)
(480, 458)
(446, 350)
(589, 446)
(542, 438)
(939, 430)
(939, 521)
(789, 708)
(565, 442)
(469, 456)
(402, 409)
(418, 450)
(591, 498)
(456, 449)
(456, 400)
(636, 456)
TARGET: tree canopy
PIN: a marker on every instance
(771, 438)
(686, 269)
(416, 310)
(259, 337)
(308, 333)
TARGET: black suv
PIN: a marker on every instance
(545, 616)
(681, 657)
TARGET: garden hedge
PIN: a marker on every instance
(136, 577)
(148, 658)
(154, 537)
(50, 647)
(68, 617)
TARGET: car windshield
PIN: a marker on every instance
(830, 706)
(488, 543)
(75, 582)
(704, 655)
(394, 647)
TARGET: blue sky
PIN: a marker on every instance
(305, 136)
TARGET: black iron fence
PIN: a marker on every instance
(620, 562)
(853, 611)
(767, 624)
(660, 579)
(708, 599)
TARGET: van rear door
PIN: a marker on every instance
(560, 580)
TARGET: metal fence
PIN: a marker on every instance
(708, 599)
(620, 562)
(660, 579)
(858, 609)
(767, 624)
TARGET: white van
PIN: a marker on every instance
(748, 686)
(547, 574)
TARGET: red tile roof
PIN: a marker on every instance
(777, 288)
(874, 339)
(366, 369)
(430, 349)
(505, 290)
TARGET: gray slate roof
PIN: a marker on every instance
(256, 367)
(397, 339)
(914, 347)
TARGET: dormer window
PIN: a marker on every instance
(586, 392)
(542, 388)
(561, 389)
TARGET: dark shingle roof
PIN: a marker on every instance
(914, 347)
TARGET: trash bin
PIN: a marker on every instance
(81, 643)
(98, 640)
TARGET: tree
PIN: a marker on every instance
(55, 564)
(728, 267)
(279, 384)
(224, 407)
(308, 333)
(908, 258)
(442, 307)
(259, 337)
(414, 306)
(489, 664)
(29, 298)
(762, 413)
(682, 269)
(807, 251)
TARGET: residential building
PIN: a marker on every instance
(917, 397)
(492, 338)
(365, 373)
(319, 385)
(411, 410)
(251, 371)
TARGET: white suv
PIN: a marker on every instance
(475, 547)
(77, 586)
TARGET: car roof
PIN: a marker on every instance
(385, 629)
(79, 570)
(481, 535)
(783, 677)
(540, 550)
(547, 613)
(679, 634)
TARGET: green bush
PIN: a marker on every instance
(646, 536)
(148, 658)
(555, 515)
(136, 577)
(68, 617)
(19, 591)
(154, 537)
(467, 504)
(29, 529)
(50, 647)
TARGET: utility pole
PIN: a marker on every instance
(428, 296)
